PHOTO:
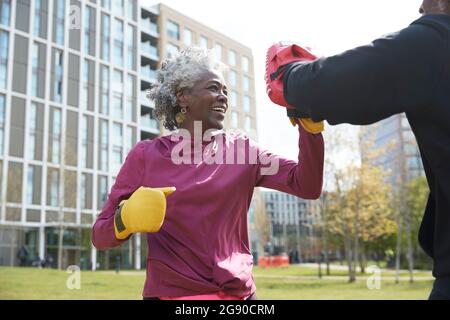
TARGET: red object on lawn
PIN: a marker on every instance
(273, 261)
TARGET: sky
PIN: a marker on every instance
(328, 26)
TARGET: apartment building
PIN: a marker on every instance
(73, 82)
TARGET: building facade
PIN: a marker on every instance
(73, 82)
(399, 155)
(292, 223)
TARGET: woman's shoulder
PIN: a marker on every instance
(159, 144)
(153, 146)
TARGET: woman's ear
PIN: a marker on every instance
(182, 98)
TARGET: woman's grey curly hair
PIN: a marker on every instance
(179, 73)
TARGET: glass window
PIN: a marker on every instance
(89, 31)
(234, 119)
(106, 4)
(84, 142)
(248, 123)
(117, 134)
(56, 136)
(245, 64)
(131, 9)
(37, 30)
(30, 184)
(118, 42)
(411, 149)
(149, 73)
(102, 191)
(173, 30)
(87, 25)
(117, 94)
(130, 98)
(218, 50)
(58, 77)
(233, 99)
(129, 86)
(85, 97)
(233, 78)
(2, 123)
(32, 130)
(131, 59)
(246, 83)
(54, 188)
(404, 122)
(5, 12)
(117, 107)
(203, 42)
(118, 7)
(246, 103)
(4, 47)
(188, 37)
(129, 139)
(105, 37)
(34, 67)
(104, 90)
(58, 36)
(409, 136)
(104, 137)
(172, 50)
(232, 58)
(83, 191)
(150, 26)
(117, 148)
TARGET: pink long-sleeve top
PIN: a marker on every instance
(203, 245)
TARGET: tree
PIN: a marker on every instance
(358, 210)
(67, 191)
(339, 154)
(262, 222)
(416, 199)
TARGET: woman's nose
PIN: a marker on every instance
(223, 97)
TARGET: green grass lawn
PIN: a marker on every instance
(294, 282)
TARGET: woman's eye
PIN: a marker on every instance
(216, 88)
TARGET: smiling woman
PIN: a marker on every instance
(198, 238)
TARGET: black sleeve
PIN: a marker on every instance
(394, 74)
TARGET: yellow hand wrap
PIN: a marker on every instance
(309, 125)
(144, 211)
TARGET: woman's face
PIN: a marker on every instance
(207, 101)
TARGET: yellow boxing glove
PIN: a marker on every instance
(309, 125)
(144, 211)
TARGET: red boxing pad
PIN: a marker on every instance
(278, 57)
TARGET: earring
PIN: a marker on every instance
(181, 116)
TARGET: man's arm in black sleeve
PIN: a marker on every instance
(394, 74)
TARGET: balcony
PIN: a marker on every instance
(149, 124)
(152, 9)
(149, 50)
(146, 101)
(148, 73)
(150, 27)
